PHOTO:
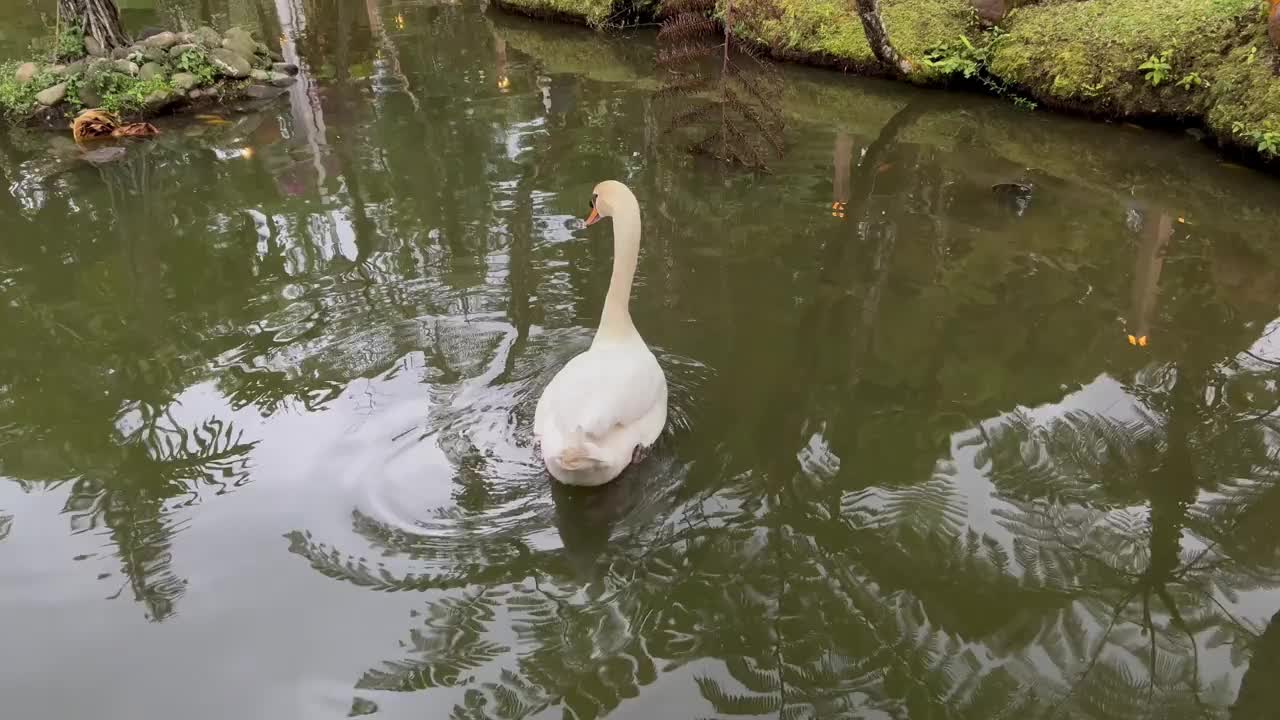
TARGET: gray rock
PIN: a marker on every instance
(155, 55)
(991, 12)
(184, 81)
(121, 53)
(187, 38)
(262, 49)
(229, 63)
(88, 96)
(240, 42)
(75, 69)
(52, 96)
(128, 67)
(151, 71)
(178, 51)
(26, 72)
(260, 75)
(262, 92)
(104, 155)
(93, 47)
(208, 37)
(159, 99)
(280, 79)
(58, 70)
(276, 56)
(284, 67)
(164, 40)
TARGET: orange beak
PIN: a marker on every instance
(593, 218)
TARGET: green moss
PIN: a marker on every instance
(592, 12)
(1089, 54)
(1244, 93)
(830, 29)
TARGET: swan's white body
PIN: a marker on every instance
(611, 401)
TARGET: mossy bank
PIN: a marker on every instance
(1197, 63)
(163, 72)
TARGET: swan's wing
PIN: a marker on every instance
(600, 390)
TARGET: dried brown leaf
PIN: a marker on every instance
(142, 129)
(93, 123)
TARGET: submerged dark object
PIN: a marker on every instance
(1015, 195)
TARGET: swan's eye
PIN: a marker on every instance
(593, 202)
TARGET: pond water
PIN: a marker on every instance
(267, 381)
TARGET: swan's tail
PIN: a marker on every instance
(581, 454)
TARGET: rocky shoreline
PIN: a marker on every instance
(1212, 66)
(164, 72)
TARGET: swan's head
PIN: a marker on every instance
(607, 198)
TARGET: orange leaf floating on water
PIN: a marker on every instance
(142, 129)
(95, 123)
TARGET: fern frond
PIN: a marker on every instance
(682, 85)
(684, 53)
(752, 677)
(730, 704)
(763, 126)
(691, 116)
(430, 672)
(686, 27)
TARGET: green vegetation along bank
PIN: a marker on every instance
(163, 72)
(1210, 64)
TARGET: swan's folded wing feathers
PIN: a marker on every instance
(603, 391)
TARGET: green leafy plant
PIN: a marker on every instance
(69, 44)
(125, 93)
(1265, 140)
(197, 63)
(17, 99)
(957, 58)
(73, 93)
(1268, 143)
(1191, 81)
(1157, 68)
(973, 62)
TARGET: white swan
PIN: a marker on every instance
(608, 405)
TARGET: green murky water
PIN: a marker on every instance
(266, 387)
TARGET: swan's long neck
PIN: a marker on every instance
(615, 320)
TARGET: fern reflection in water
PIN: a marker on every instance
(717, 88)
(776, 596)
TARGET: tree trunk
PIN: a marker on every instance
(1257, 698)
(99, 19)
(878, 39)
